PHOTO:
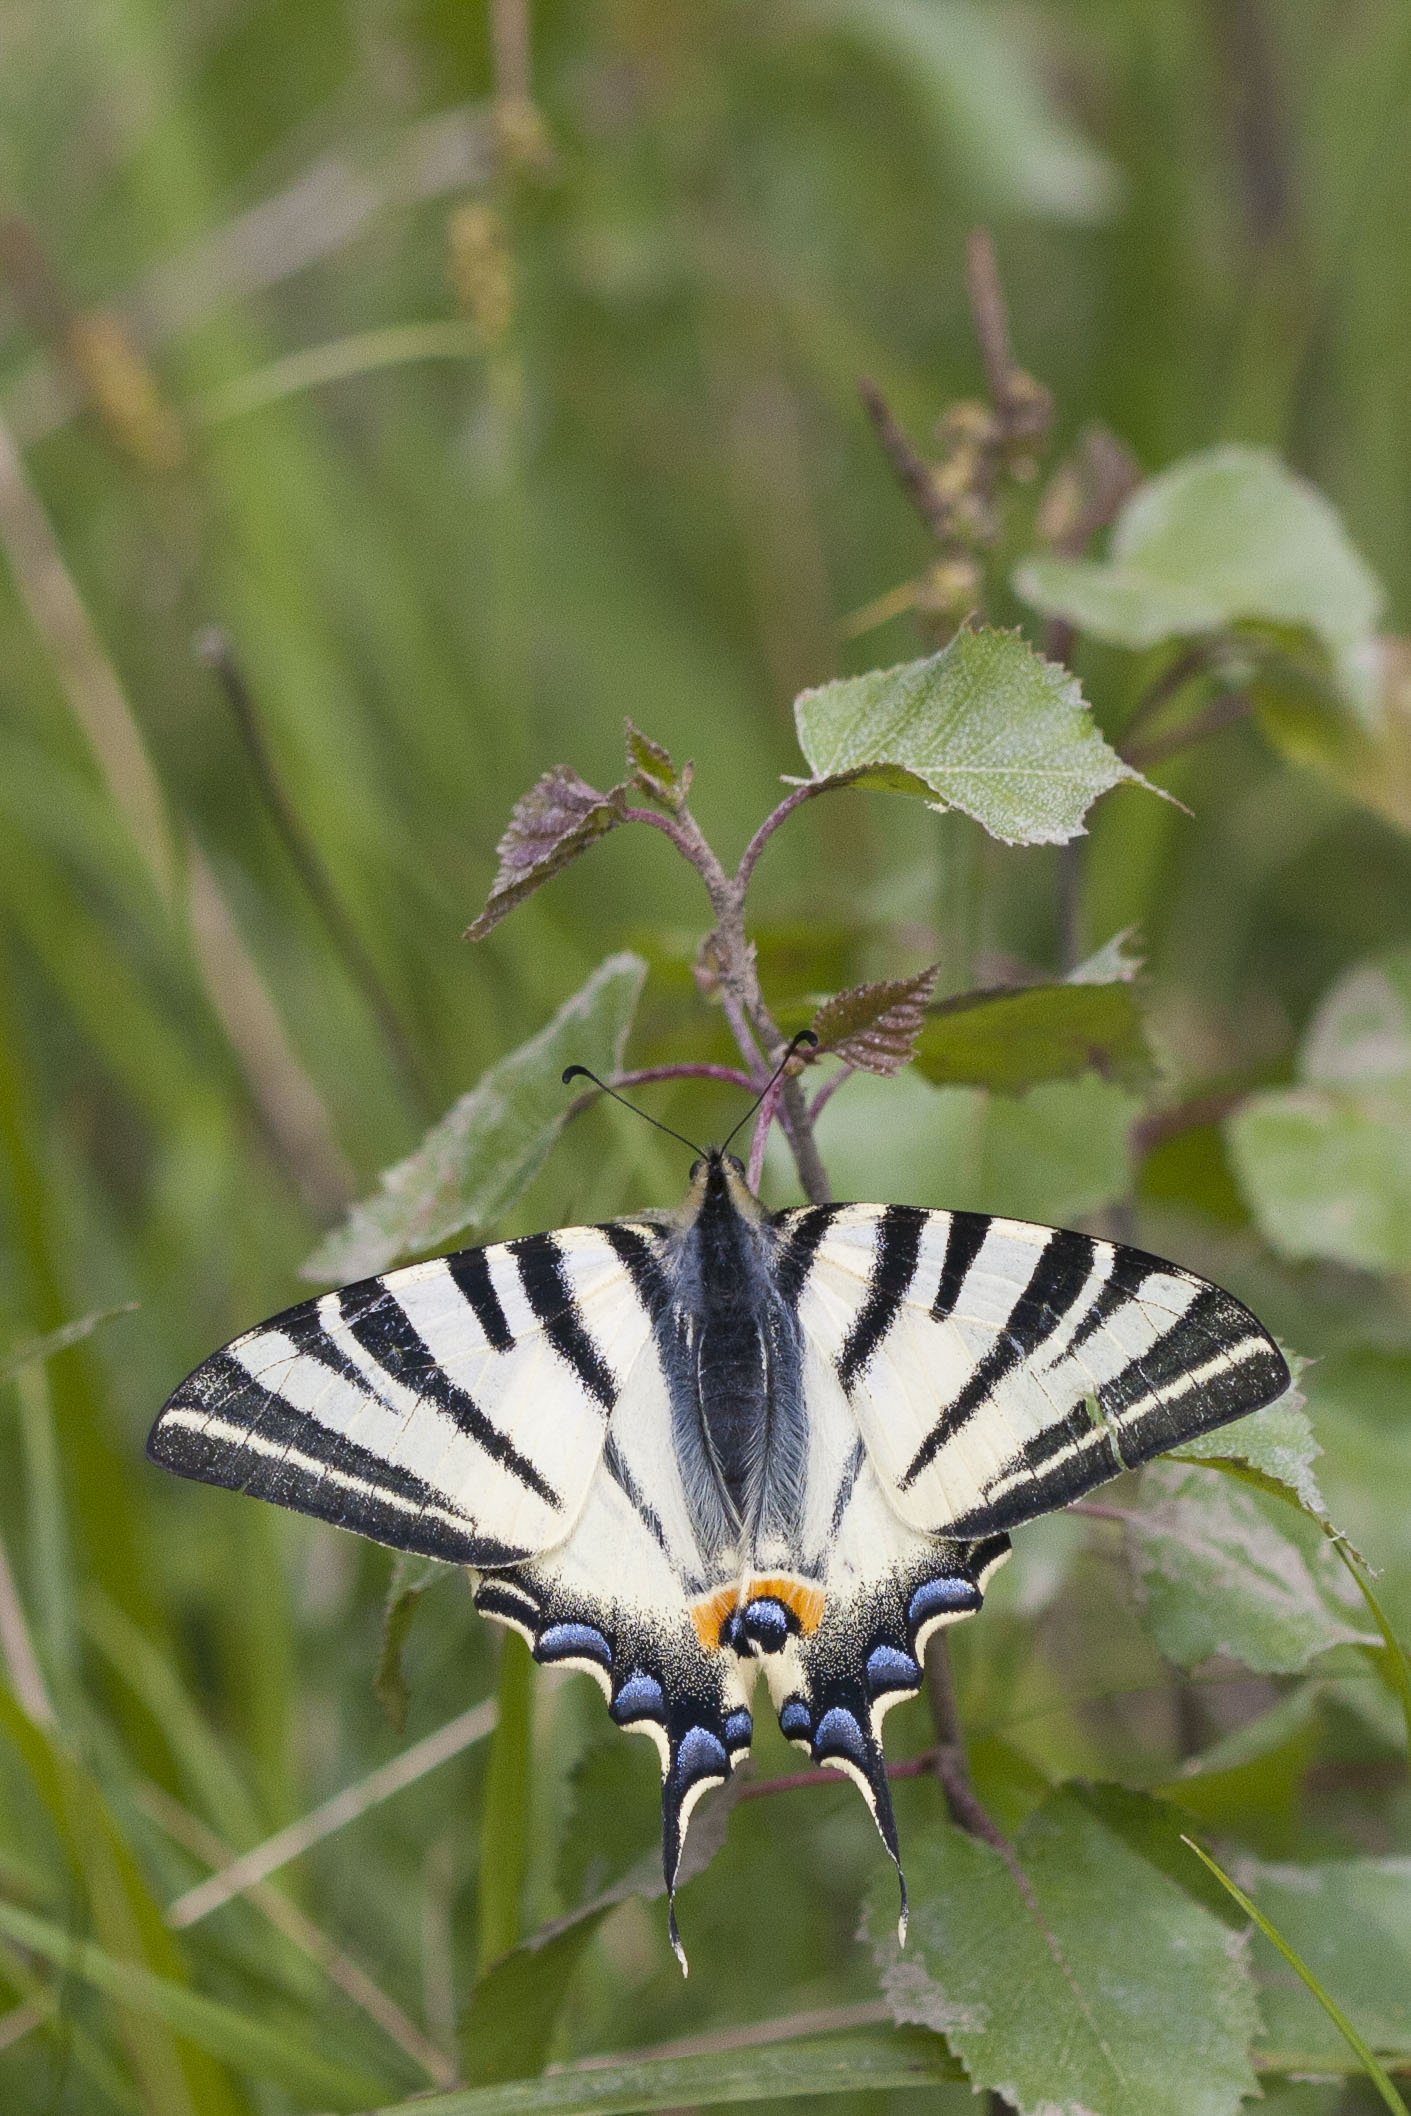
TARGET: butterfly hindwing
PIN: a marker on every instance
(457, 1408)
(997, 1369)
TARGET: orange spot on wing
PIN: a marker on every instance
(804, 1597)
(710, 1613)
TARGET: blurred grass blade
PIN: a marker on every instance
(504, 1847)
(36, 1349)
(783, 2071)
(1379, 2078)
(149, 1673)
(1397, 1667)
(361, 354)
(334, 1814)
(235, 2038)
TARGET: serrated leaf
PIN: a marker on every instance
(1218, 1570)
(1011, 1040)
(1124, 1996)
(986, 726)
(1225, 537)
(491, 1143)
(1276, 1446)
(652, 772)
(557, 819)
(873, 1027)
(1326, 1165)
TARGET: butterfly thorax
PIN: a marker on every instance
(730, 1348)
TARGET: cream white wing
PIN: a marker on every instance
(457, 1408)
(997, 1369)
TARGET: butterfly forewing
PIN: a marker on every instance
(458, 1408)
(998, 1369)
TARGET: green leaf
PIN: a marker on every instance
(990, 104)
(1222, 1569)
(1275, 1448)
(473, 1164)
(252, 2046)
(1345, 1923)
(1115, 1991)
(1369, 761)
(1326, 1165)
(783, 2071)
(1011, 1040)
(985, 726)
(1051, 1155)
(1226, 537)
(874, 1027)
(557, 819)
(1116, 962)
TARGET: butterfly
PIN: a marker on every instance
(683, 1447)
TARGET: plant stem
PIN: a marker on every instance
(731, 1075)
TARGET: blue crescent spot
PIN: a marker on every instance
(941, 1598)
(890, 1669)
(767, 1622)
(738, 1729)
(795, 1719)
(839, 1735)
(573, 1642)
(639, 1698)
(700, 1755)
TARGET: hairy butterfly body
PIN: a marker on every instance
(677, 1449)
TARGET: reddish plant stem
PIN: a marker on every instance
(731, 1075)
(771, 823)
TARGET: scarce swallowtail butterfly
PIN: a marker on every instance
(679, 1448)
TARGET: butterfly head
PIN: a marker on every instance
(718, 1180)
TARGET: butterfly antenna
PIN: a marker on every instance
(581, 1072)
(795, 1043)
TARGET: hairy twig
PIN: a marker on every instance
(912, 469)
(644, 1075)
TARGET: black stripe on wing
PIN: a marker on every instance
(801, 1233)
(225, 1428)
(899, 1231)
(556, 1306)
(470, 1269)
(1063, 1269)
(381, 1325)
(1212, 1364)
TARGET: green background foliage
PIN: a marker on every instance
(483, 408)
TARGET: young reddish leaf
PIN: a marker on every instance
(551, 825)
(652, 772)
(874, 1027)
